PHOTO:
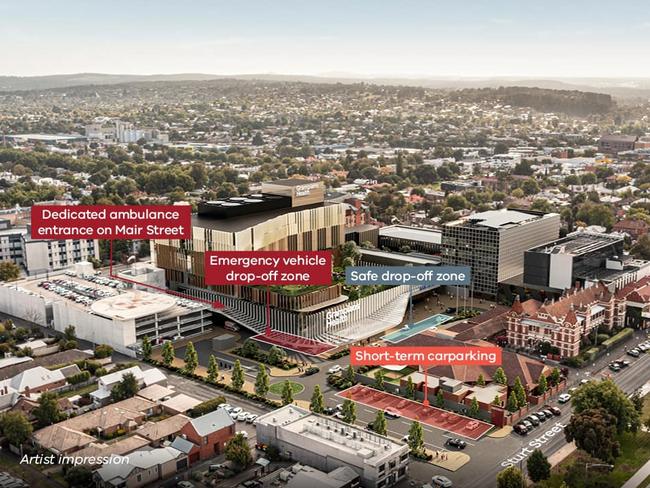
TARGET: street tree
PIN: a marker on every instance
(480, 381)
(168, 353)
(538, 466)
(510, 477)
(213, 369)
(512, 404)
(555, 377)
(520, 393)
(237, 376)
(317, 403)
(416, 437)
(474, 408)
(262, 383)
(380, 425)
(349, 411)
(15, 427)
(191, 358)
(542, 384)
(594, 431)
(349, 374)
(607, 395)
(440, 399)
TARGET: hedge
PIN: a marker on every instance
(79, 378)
(621, 336)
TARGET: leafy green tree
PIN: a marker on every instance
(379, 379)
(250, 349)
(510, 477)
(607, 395)
(542, 384)
(238, 451)
(474, 408)
(416, 438)
(594, 431)
(126, 388)
(349, 411)
(70, 334)
(47, 412)
(79, 477)
(555, 377)
(512, 404)
(410, 389)
(520, 393)
(15, 427)
(9, 271)
(147, 349)
(191, 358)
(237, 378)
(287, 393)
(276, 355)
(641, 249)
(480, 381)
(538, 466)
(213, 369)
(103, 351)
(317, 403)
(496, 401)
(380, 425)
(349, 374)
(168, 353)
(262, 383)
(500, 376)
(440, 399)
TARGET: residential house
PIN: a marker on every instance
(209, 434)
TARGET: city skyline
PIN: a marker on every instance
(411, 39)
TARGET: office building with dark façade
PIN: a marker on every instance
(287, 215)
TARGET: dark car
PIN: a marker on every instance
(541, 416)
(555, 411)
(370, 426)
(329, 411)
(456, 442)
(311, 370)
(520, 429)
(614, 367)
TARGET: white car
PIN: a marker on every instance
(243, 433)
(250, 418)
(564, 397)
(335, 369)
(236, 410)
(226, 406)
(234, 415)
(242, 416)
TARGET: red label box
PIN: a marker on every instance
(268, 268)
(111, 221)
(429, 356)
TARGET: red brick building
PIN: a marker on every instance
(634, 228)
(209, 434)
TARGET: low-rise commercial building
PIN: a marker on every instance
(328, 444)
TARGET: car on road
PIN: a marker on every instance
(527, 424)
(456, 443)
(623, 363)
(370, 427)
(555, 411)
(339, 407)
(335, 369)
(227, 407)
(439, 481)
(250, 418)
(236, 410)
(548, 413)
(241, 417)
(540, 416)
(634, 353)
(520, 429)
(614, 367)
(406, 438)
(311, 370)
(329, 411)
(584, 381)
(564, 397)
(391, 413)
(643, 347)
(339, 415)
(533, 419)
(234, 415)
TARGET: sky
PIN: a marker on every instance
(401, 38)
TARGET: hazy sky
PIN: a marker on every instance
(541, 38)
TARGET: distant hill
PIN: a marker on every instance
(618, 88)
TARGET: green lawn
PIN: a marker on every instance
(80, 391)
(276, 388)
